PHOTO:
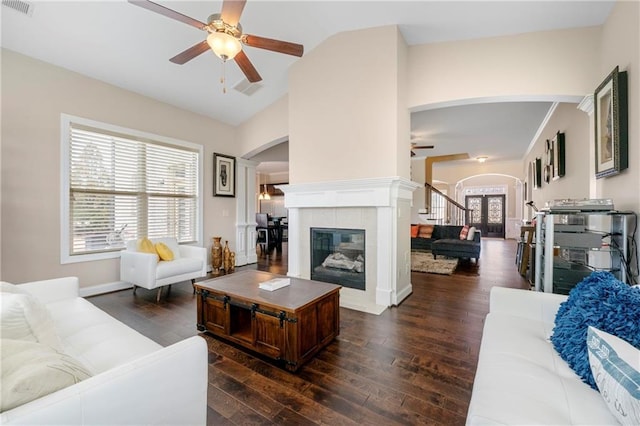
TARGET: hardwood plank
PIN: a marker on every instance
(296, 401)
(261, 405)
(413, 364)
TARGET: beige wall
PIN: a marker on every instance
(435, 73)
(269, 126)
(338, 118)
(34, 94)
(403, 129)
(621, 47)
(567, 119)
(456, 171)
(344, 109)
(450, 173)
(509, 183)
(544, 64)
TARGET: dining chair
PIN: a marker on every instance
(262, 229)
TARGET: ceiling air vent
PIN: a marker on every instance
(19, 5)
(247, 88)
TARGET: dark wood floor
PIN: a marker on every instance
(414, 364)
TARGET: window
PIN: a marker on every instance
(120, 184)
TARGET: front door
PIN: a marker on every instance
(486, 213)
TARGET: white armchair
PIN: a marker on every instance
(144, 270)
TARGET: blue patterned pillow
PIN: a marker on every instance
(616, 368)
(600, 301)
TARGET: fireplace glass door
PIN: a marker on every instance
(337, 256)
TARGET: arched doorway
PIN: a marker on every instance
(494, 202)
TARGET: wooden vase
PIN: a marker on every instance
(216, 254)
(226, 257)
(232, 261)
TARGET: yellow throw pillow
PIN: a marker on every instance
(146, 246)
(164, 251)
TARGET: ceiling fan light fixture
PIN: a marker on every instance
(482, 159)
(224, 45)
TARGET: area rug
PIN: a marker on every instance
(424, 262)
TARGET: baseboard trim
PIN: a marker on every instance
(369, 308)
(403, 294)
(94, 290)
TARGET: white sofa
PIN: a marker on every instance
(520, 378)
(144, 270)
(133, 379)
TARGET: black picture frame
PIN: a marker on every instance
(535, 173)
(611, 125)
(547, 167)
(224, 175)
(558, 153)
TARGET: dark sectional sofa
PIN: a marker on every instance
(445, 240)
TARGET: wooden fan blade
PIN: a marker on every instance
(169, 13)
(273, 45)
(190, 53)
(231, 11)
(247, 67)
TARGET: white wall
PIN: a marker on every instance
(34, 94)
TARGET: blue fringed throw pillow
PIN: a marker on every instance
(600, 301)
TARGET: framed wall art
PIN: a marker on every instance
(547, 168)
(535, 173)
(224, 175)
(538, 173)
(557, 152)
(611, 132)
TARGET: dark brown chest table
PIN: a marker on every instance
(290, 324)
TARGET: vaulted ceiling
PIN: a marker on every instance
(130, 47)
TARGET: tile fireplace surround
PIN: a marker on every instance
(380, 206)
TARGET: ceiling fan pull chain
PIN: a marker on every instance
(222, 79)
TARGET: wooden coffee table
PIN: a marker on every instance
(290, 324)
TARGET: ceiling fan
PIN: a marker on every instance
(415, 146)
(225, 36)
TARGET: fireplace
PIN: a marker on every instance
(338, 256)
(380, 210)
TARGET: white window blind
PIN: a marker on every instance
(124, 187)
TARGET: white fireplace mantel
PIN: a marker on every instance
(378, 205)
(372, 192)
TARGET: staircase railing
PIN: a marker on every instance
(442, 209)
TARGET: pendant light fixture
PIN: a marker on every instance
(263, 195)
